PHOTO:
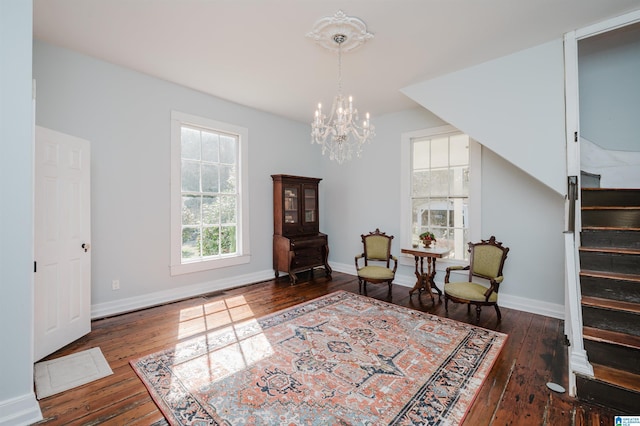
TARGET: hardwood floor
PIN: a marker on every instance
(514, 393)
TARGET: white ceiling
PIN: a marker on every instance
(256, 53)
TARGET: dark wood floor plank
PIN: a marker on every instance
(537, 365)
(485, 407)
(514, 392)
(559, 411)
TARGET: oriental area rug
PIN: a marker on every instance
(341, 359)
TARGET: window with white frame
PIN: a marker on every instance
(438, 188)
(209, 199)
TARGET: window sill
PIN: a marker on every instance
(206, 265)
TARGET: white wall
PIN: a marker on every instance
(126, 117)
(529, 219)
(365, 194)
(526, 215)
(609, 65)
(17, 400)
(514, 105)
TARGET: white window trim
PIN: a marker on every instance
(243, 256)
(475, 187)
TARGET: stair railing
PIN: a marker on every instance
(578, 362)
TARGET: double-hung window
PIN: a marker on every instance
(209, 199)
(438, 187)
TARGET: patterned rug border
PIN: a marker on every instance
(170, 357)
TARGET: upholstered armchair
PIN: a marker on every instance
(486, 261)
(373, 264)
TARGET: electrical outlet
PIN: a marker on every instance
(115, 285)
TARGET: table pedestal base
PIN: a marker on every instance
(424, 280)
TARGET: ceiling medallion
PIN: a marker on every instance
(354, 30)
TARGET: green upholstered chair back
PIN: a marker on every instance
(487, 258)
(377, 246)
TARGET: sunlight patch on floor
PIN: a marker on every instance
(231, 333)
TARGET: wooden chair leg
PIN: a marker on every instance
(478, 309)
(446, 303)
(498, 312)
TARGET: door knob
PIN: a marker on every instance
(86, 247)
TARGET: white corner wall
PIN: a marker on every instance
(529, 218)
(18, 405)
(125, 115)
(513, 105)
(525, 214)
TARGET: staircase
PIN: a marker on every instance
(610, 286)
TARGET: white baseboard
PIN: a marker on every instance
(120, 306)
(139, 302)
(533, 306)
(23, 410)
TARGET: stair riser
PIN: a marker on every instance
(610, 239)
(624, 291)
(605, 319)
(611, 197)
(614, 356)
(624, 400)
(610, 262)
(611, 218)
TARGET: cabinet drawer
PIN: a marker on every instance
(297, 245)
(307, 256)
(308, 252)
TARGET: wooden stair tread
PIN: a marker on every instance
(603, 189)
(612, 218)
(617, 377)
(613, 337)
(610, 275)
(610, 207)
(618, 305)
(611, 250)
(609, 228)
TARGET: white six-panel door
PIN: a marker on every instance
(62, 231)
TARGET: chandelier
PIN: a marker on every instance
(341, 133)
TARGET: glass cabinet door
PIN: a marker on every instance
(310, 208)
(291, 205)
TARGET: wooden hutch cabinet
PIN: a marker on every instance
(298, 244)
